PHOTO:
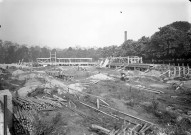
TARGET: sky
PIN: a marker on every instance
(86, 23)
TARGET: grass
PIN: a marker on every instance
(44, 127)
(164, 117)
(168, 120)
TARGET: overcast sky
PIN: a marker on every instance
(86, 23)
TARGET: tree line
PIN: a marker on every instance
(13, 53)
(171, 44)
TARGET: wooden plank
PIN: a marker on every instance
(144, 126)
(104, 102)
(104, 130)
(146, 89)
(164, 73)
(135, 127)
(99, 110)
(145, 129)
(59, 98)
(124, 128)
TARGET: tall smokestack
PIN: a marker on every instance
(125, 36)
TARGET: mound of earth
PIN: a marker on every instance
(17, 72)
(153, 73)
(76, 86)
(101, 77)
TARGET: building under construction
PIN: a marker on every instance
(53, 60)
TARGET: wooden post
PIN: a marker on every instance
(5, 115)
(183, 71)
(174, 71)
(188, 69)
(128, 59)
(125, 127)
(179, 70)
(169, 73)
(97, 103)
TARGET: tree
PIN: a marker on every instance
(128, 48)
(109, 51)
(2, 52)
(142, 47)
(45, 53)
(34, 53)
(171, 42)
(10, 57)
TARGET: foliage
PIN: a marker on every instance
(171, 43)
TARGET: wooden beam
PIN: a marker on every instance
(146, 89)
(104, 102)
(97, 103)
(5, 115)
(128, 115)
(104, 130)
(144, 126)
(164, 73)
(145, 129)
(99, 110)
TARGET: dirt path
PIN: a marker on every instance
(55, 82)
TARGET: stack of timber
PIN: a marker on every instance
(25, 114)
(60, 75)
(22, 121)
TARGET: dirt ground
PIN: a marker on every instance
(169, 108)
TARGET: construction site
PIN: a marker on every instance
(67, 67)
(115, 96)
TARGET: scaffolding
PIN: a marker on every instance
(53, 57)
(126, 60)
(53, 60)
